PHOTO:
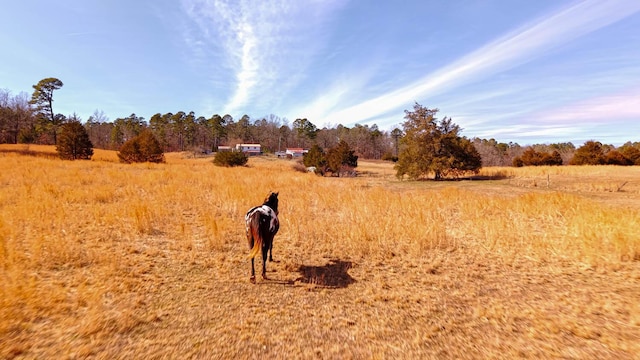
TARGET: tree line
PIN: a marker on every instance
(28, 118)
(591, 152)
(32, 119)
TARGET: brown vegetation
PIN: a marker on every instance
(108, 260)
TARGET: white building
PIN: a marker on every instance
(249, 149)
(296, 152)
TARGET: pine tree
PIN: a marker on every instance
(73, 142)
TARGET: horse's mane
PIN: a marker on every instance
(272, 201)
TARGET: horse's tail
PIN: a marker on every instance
(254, 228)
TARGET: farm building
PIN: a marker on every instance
(296, 152)
(250, 149)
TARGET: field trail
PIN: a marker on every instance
(151, 262)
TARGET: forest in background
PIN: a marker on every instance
(22, 121)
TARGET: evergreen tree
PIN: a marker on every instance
(591, 153)
(531, 157)
(42, 99)
(434, 146)
(631, 151)
(341, 159)
(315, 157)
(142, 148)
(73, 142)
(555, 158)
(615, 157)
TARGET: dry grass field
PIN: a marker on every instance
(111, 261)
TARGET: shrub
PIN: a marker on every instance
(388, 156)
(341, 159)
(531, 157)
(615, 157)
(591, 153)
(142, 148)
(230, 158)
(553, 158)
(315, 158)
(73, 142)
(299, 167)
(631, 151)
(27, 135)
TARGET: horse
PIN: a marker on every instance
(262, 225)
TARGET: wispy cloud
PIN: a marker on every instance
(531, 131)
(266, 45)
(615, 115)
(507, 52)
(624, 106)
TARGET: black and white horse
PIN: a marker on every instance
(262, 225)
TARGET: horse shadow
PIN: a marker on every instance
(332, 275)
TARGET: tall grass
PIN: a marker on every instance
(85, 221)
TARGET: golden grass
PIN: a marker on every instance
(107, 260)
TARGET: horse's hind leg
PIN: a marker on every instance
(271, 251)
(253, 272)
(264, 262)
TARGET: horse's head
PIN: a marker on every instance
(272, 201)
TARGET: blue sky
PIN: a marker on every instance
(515, 70)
